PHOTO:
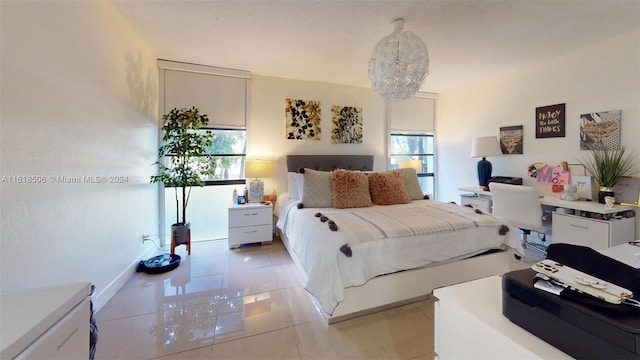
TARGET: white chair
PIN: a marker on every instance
(520, 206)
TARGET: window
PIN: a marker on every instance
(408, 145)
(411, 129)
(229, 151)
(223, 95)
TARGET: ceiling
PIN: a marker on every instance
(331, 41)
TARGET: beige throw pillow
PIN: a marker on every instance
(316, 189)
(410, 178)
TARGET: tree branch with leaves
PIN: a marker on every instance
(183, 161)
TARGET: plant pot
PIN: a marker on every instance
(604, 192)
(181, 232)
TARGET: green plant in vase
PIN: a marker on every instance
(183, 161)
(608, 167)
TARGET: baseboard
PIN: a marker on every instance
(102, 297)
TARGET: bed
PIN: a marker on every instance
(358, 260)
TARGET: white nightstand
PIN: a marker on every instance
(250, 223)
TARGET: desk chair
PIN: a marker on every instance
(520, 205)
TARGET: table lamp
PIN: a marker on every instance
(412, 164)
(484, 147)
(257, 169)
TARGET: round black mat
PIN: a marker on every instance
(159, 264)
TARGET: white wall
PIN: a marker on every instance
(266, 135)
(79, 98)
(600, 77)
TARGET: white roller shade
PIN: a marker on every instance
(222, 98)
(414, 114)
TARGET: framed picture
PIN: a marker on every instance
(550, 121)
(302, 119)
(511, 139)
(627, 191)
(347, 125)
(586, 186)
(601, 130)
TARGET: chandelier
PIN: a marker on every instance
(399, 64)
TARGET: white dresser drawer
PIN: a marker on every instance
(249, 216)
(250, 234)
(571, 229)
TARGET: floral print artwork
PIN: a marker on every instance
(347, 125)
(303, 119)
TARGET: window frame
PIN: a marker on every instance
(403, 156)
(242, 155)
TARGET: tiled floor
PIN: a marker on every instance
(247, 304)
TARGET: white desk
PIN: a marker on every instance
(469, 321)
(572, 228)
(556, 202)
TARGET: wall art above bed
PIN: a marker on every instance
(302, 119)
(347, 125)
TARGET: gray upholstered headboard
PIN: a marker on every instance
(330, 162)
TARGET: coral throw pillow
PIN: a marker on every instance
(387, 188)
(349, 189)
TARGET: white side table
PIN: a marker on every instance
(469, 324)
(250, 223)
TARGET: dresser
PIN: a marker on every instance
(250, 223)
(46, 323)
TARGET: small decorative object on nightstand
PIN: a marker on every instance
(257, 169)
(250, 223)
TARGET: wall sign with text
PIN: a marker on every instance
(550, 121)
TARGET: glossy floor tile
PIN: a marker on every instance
(247, 303)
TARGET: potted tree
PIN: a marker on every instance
(183, 161)
(608, 167)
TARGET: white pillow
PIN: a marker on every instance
(299, 178)
(292, 184)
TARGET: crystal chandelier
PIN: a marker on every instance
(399, 64)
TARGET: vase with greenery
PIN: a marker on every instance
(608, 167)
(182, 159)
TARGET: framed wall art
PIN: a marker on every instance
(550, 121)
(511, 139)
(302, 119)
(347, 125)
(600, 130)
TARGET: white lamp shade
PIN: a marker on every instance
(412, 164)
(257, 169)
(485, 146)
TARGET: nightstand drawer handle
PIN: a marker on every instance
(580, 226)
(251, 214)
(250, 232)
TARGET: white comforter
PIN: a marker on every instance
(383, 240)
